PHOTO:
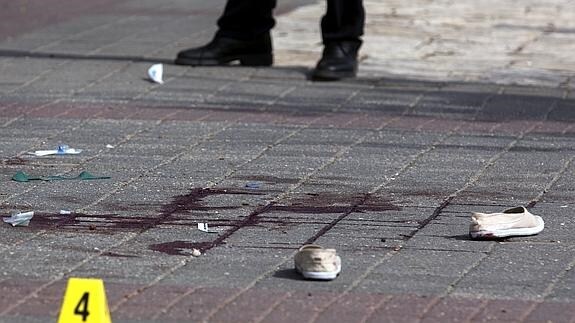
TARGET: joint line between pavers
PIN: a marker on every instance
(236, 228)
(550, 184)
(11, 121)
(473, 179)
(265, 150)
(282, 95)
(6, 247)
(389, 255)
(211, 184)
(567, 90)
(153, 168)
(70, 128)
(272, 307)
(451, 287)
(97, 50)
(553, 106)
(88, 159)
(567, 129)
(58, 41)
(549, 289)
(372, 309)
(254, 282)
(59, 277)
(171, 304)
(477, 310)
(65, 61)
(336, 157)
(183, 263)
(127, 65)
(488, 164)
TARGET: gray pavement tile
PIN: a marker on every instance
(535, 91)
(218, 271)
(563, 289)
(516, 108)
(73, 76)
(513, 269)
(419, 284)
(271, 231)
(563, 111)
(60, 252)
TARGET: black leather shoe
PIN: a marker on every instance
(222, 51)
(339, 60)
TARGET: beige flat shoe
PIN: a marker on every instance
(512, 222)
(315, 262)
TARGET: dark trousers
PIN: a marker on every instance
(248, 19)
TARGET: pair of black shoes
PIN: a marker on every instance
(339, 59)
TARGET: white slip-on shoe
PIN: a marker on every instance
(511, 222)
(315, 262)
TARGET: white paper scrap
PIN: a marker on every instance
(156, 73)
(65, 212)
(62, 150)
(204, 228)
(20, 219)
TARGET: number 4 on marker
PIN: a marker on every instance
(82, 307)
(84, 302)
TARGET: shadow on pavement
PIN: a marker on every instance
(43, 55)
(287, 274)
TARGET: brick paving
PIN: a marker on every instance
(385, 170)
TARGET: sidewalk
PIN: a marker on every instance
(496, 41)
(386, 168)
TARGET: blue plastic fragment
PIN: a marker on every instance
(253, 185)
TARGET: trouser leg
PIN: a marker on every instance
(246, 19)
(343, 21)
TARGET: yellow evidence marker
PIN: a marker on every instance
(85, 302)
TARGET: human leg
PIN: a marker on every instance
(344, 21)
(246, 19)
(342, 28)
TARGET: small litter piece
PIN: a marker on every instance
(20, 219)
(253, 185)
(65, 212)
(156, 72)
(20, 176)
(196, 252)
(61, 150)
(204, 228)
(110, 146)
(511, 222)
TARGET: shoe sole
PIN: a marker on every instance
(319, 275)
(244, 60)
(486, 234)
(332, 76)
